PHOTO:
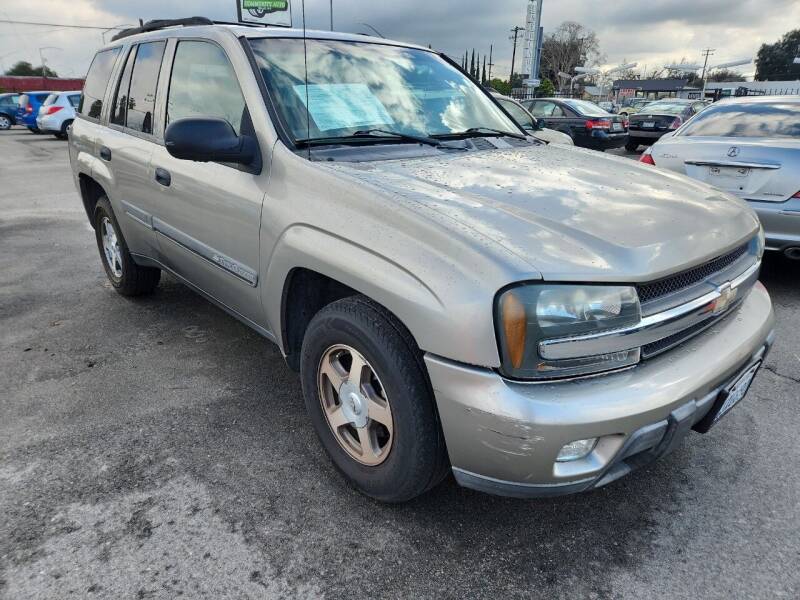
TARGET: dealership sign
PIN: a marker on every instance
(265, 12)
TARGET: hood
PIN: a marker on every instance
(573, 214)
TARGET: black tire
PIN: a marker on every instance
(417, 460)
(134, 280)
(34, 130)
(6, 122)
(64, 133)
(632, 145)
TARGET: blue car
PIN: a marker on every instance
(28, 110)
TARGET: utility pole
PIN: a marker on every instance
(707, 52)
(491, 64)
(331, 15)
(515, 34)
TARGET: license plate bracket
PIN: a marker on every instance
(729, 397)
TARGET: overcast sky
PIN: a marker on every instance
(651, 32)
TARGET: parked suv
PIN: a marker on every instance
(456, 295)
(57, 113)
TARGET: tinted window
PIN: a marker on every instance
(520, 115)
(41, 97)
(546, 109)
(96, 81)
(747, 120)
(144, 81)
(74, 100)
(587, 109)
(203, 84)
(665, 108)
(120, 105)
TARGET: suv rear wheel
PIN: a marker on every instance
(370, 401)
(128, 278)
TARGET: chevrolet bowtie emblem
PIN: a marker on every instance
(727, 296)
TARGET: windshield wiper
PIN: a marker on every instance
(371, 134)
(481, 132)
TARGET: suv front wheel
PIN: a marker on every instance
(128, 278)
(370, 401)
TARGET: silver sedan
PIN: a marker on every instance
(749, 147)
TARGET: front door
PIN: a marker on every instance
(208, 215)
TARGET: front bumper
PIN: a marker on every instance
(503, 437)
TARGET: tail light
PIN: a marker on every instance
(28, 109)
(52, 109)
(676, 122)
(598, 124)
(626, 123)
(647, 159)
(797, 195)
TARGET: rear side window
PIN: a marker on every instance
(120, 106)
(747, 120)
(74, 100)
(96, 82)
(144, 82)
(204, 84)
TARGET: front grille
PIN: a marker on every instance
(675, 283)
(676, 339)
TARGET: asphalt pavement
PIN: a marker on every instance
(157, 448)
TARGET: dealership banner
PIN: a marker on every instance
(265, 12)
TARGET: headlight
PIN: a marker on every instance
(529, 314)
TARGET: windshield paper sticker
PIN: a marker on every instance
(343, 105)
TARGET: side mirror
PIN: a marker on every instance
(209, 140)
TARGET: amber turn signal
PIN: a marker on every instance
(514, 327)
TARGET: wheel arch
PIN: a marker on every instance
(91, 192)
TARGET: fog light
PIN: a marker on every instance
(576, 450)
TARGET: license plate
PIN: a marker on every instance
(616, 127)
(729, 171)
(728, 398)
(648, 124)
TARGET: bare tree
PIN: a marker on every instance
(569, 46)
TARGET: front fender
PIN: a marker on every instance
(409, 298)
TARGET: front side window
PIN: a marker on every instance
(358, 86)
(144, 82)
(203, 84)
(768, 120)
(96, 82)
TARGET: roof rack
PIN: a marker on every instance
(162, 24)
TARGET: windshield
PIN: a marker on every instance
(665, 108)
(356, 86)
(773, 119)
(587, 109)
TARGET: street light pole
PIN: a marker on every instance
(331, 15)
(515, 31)
(44, 62)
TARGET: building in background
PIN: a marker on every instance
(27, 83)
(654, 89)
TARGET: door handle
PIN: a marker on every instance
(163, 177)
(105, 153)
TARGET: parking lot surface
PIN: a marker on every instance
(156, 448)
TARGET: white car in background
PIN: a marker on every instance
(57, 113)
(530, 124)
(749, 147)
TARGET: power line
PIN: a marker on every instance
(66, 26)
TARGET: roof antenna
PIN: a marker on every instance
(305, 62)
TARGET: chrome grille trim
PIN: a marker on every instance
(653, 328)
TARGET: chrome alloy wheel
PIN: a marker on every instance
(355, 405)
(5, 123)
(111, 247)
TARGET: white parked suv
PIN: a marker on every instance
(57, 113)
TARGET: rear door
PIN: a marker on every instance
(208, 215)
(127, 144)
